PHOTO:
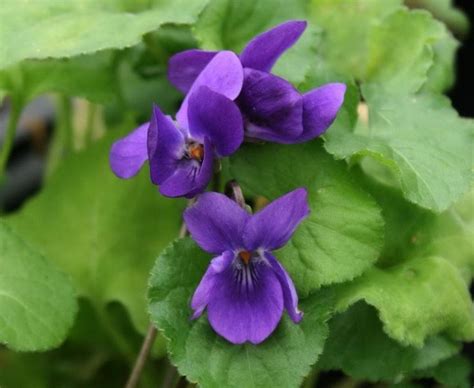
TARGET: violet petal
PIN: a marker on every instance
(215, 116)
(223, 74)
(185, 67)
(320, 108)
(246, 306)
(216, 223)
(290, 296)
(272, 107)
(128, 154)
(273, 226)
(204, 290)
(165, 146)
(263, 51)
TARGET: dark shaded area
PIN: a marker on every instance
(27, 162)
(461, 93)
(462, 99)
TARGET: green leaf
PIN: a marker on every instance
(88, 358)
(415, 299)
(453, 372)
(441, 75)
(88, 76)
(226, 24)
(346, 28)
(381, 42)
(450, 236)
(400, 52)
(358, 346)
(140, 93)
(204, 357)
(411, 231)
(342, 237)
(444, 10)
(46, 28)
(37, 302)
(101, 230)
(420, 139)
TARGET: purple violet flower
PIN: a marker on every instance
(208, 125)
(245, 288)
(272, 108)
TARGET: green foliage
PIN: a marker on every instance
(411, 231)
(415, 299)
(453, 372)
(342, 237)
(445, 11)
(441, 74)
(381, 42)
(358, 346)
(48, 29)
(89, 76)
(451, 236)
(37, 302)
(429, 154)
(204, 357)
(405, 61)
(86, 358)
(346, 27)
(101, 230)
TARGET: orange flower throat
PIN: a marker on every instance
(245, 256)
(196, 151)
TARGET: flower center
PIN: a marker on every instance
(196, 151)
(245, 256)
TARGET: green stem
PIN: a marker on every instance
(15, 111)
(61, 143)
(140, 362)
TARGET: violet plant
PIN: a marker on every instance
(306, 147)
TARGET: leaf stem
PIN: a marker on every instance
(150, 336)
(233, 191)
(14, 115)
(62, 140)
(142, 357)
